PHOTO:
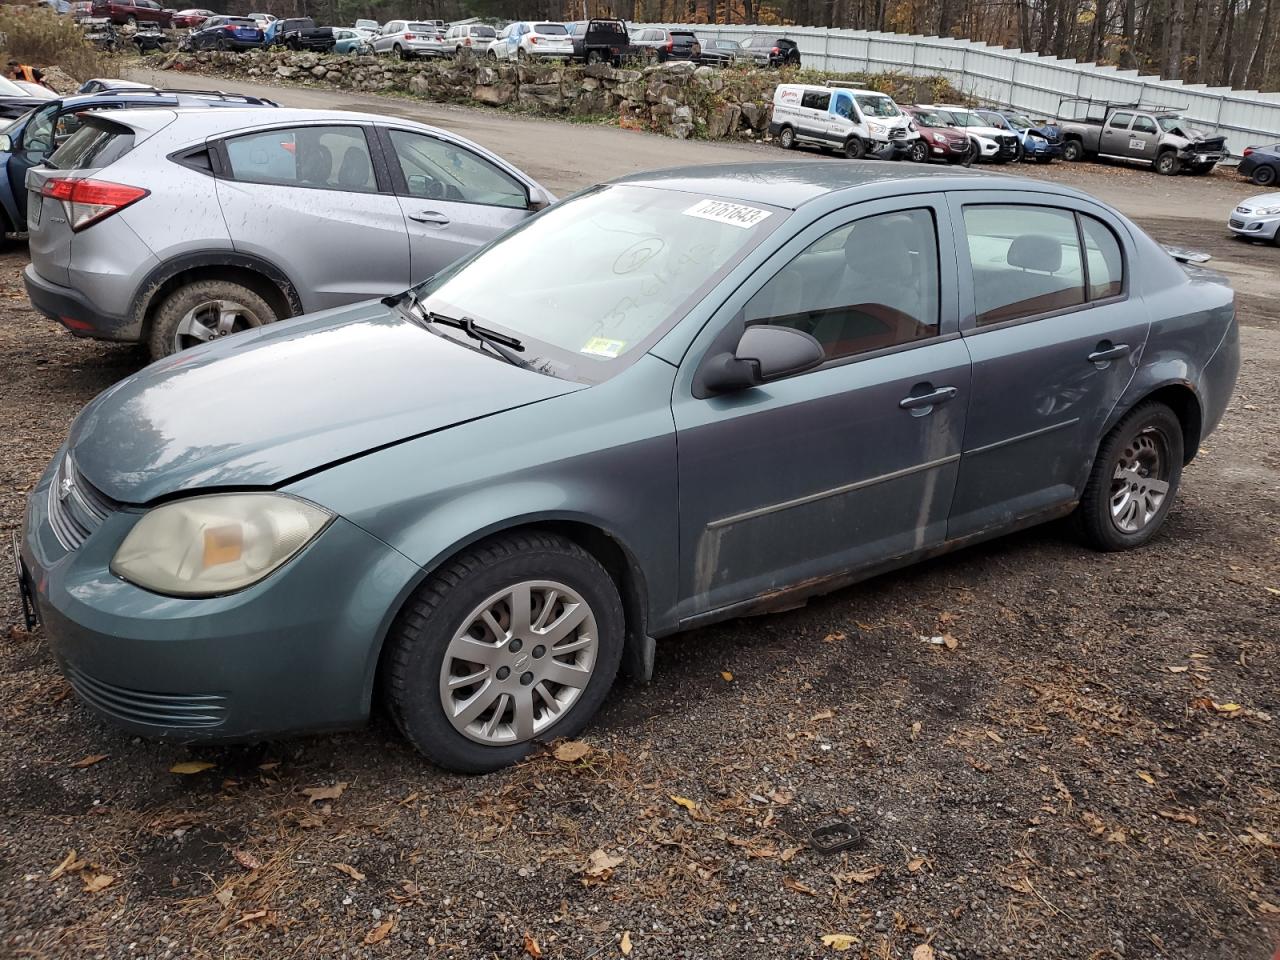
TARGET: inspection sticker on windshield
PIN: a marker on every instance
(603, 347)
(734, 214)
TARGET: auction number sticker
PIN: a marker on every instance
(1136, 144)
(734, 214)
(603, 347)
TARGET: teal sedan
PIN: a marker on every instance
(350, 41)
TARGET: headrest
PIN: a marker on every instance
(1035, 251)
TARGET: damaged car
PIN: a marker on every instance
(1162, 139)
(477, 501)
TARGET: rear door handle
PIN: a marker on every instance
(1106, 352)
(923, 402)
(430, 216)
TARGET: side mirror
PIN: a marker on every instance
(6, 144)
(539, 199)
(764, 353)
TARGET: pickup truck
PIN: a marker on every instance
(132, 12)
(1157, 136)
(602, 41)
(300, 33)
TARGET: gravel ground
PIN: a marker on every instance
(1089, 771)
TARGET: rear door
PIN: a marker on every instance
(312, 198)
(815, 120)
(454, 200)
(1114, 140)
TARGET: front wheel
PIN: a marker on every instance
(855, 148)
(1134, 480)
(1072, 151)
(919, 152)
(512, 643)
(204, 311)
(787, 138)
(1168, 164)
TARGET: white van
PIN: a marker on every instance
(855, 122)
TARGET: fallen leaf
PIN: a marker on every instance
(992, 735)
(571, 751)
(685, 802)
(97, 882)
(625, 944)
(793, 884)
(601, 864)
(861, 876)
(949, 641)
(90, 760)
(246, 860)
(922, 952)
(349, 870)
(786, 855)
(251, 916)
(835, 637)
(1265, 906)
(1117, 836)
(224, 896)
(271, 765)
(839, 942)
(915, 730)
(726, 676)
(1146, 778)
(69, 862)
(382, 930)
(1177, 669)
(1226, 707)
(531, 946)
(191, 766)
(822, 715)
(1178, 816)
(946, 617)
(914, 866)
(1019, 885)
(315, 794)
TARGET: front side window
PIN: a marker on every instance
(866, 286)
(1025, 260)
(439, 170)
(843, 106)
(1144, 125)
(334, 158)
(39, 133)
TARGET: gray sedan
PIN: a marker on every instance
(673, 399)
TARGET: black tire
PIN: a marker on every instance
(1073, 151)
(400, 52)
(787, 138)
(919, 152)
(1020, 155)
(493, 55)
(1168, 164)
(164, 323)
(1263, 175)
(1093, 519)
(595, 56)
(855, 148)
(221, 44)
(423, 630)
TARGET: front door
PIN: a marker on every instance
(281, 192)
(1144, 139)
(848, 465)
(454, 200)
(1055, 339)
(1114, 140)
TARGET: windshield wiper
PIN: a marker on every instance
(502, 345)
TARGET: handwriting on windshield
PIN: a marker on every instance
(665, 277)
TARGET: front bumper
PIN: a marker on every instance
(1252, 225)
(295, 652)
(76, 312)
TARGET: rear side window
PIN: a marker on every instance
(815, 100)
(1026, 261)
(94, 145)
(1102, 258)
(333, 158)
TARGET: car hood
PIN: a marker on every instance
(263, 407)
(1263, 200)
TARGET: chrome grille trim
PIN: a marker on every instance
(76, 507)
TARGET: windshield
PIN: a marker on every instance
(963, 118)
(1170, 124)
(875, 106)
(603, 275)
(930, 118)
(550, 29)
(1020, 122)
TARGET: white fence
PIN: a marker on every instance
(1023, 81)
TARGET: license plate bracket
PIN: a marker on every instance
(30, 612)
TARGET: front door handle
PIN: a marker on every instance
(1106, 351)
(921, 403)
(430, 216)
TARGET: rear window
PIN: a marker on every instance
(550, 29)
(96, 144)
(483, 32)
(421, 28)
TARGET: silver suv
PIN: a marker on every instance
(174, 227)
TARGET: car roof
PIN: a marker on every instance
(243, 118)
(792, 183)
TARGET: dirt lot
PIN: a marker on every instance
(1090, 771)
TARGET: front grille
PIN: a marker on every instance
(183, 711)
(1238, 224)
(76, 507)
(1008, 145)
(897, 133)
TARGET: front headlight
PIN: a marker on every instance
(216, 544)
(875, 128)
(1266, 211)
(939, 138)
(1038, 141)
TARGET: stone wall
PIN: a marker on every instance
(678, 98)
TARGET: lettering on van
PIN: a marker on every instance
(734, 214)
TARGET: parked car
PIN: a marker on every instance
(81, 9)
(29, 140)
(132, 12)
(661, 44)
(1257, 218)
(477, 501)
(992, 144)
(15, 101)
(718, 53)
(105, 84)
(475, 37)
(601, 41)
(346, 40)
(37, 91)
(101, 33)
(1042, 144)
(301, 33)
(224, 33)
(857, 123)
(527, 39)
(1162, 139)
(284, 212)
(1261, 164)
(149, 36)
(186, 19)
(263, 20)
(940, 139)
(409, 39)
(770, 50)
(367, 28)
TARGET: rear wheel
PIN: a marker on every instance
(855, 148)
(204, 311)
(514, 642)
(1263, 175)
(521, 54)
(595, 56)
(1134, 480)
(400, 52)
(919, 152)
(1168, 164)
(786, 138)
(1072, 151)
